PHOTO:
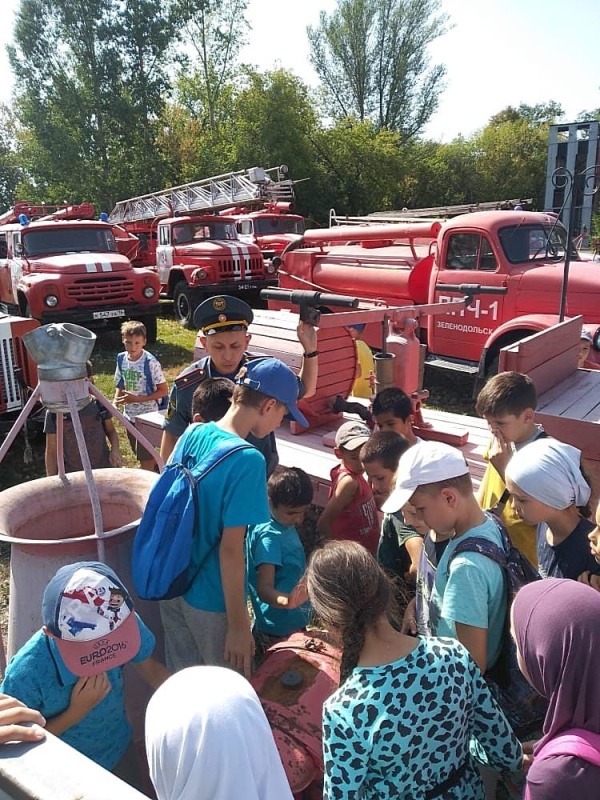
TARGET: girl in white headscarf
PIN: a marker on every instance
(550, 491)
(207, 738)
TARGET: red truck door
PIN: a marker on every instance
(466, 257)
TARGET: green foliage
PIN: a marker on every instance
(91, 78)
(371, 56)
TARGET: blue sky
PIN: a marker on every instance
(498, 53)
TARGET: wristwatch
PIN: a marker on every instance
(313, 354)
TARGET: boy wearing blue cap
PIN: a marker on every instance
(223, 324)
(210, 623)
(71, 669)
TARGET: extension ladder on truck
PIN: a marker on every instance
(245, 187)
(425, 214)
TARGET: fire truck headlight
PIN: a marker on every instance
(149, 292)
(199, 275)
(271, 268)
(51, 300)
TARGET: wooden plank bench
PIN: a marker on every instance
(568, 398)
(312, 451)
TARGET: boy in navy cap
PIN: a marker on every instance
(223, 323)
(71, 669)
(210, 623)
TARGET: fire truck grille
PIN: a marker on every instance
(10, 397)
(230, 268)
(104, 288)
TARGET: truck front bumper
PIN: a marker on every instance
(100, 317)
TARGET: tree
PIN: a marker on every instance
(539, 114)
(90, 79)
(371, 56)
(214, 30)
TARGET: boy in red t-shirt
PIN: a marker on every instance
(351, 512)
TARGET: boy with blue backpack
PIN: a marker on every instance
(140, 383)
(205, 617)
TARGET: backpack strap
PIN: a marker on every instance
(575, 742)
(196, 473)
(478, 544)
(121, 381)
(150, 387)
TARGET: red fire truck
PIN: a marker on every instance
(59, 264)
(519, 253)
(188, 234)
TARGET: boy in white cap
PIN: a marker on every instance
(71, 669)
(463, 596)
(351, 511)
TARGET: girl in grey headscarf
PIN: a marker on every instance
(549, 490)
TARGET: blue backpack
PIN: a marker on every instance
(150, 387)
(163, 543)
(524, 708)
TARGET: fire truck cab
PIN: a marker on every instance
(59, 264)
(272, 228)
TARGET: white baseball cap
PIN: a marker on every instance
(424, 462)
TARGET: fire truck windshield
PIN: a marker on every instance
(52, 241)
(191, 232)
(523, 243)
(263, 226)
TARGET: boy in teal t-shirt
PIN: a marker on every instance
(276, 562)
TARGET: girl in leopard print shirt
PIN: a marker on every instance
(401, 724)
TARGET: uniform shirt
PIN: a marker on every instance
(38, 677)
(92, 418)
(179, 413)
(233, 494)
(468, 589)
(280, 545)
(399, 729)
(359, 521)
(569, 558)
(133, 375)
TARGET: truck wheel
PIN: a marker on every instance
(185, 301)
(151, 324)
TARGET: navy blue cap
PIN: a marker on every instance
(222, 313)
(272, 377)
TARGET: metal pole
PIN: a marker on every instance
(570, 231)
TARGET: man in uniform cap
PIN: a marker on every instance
(223, 324)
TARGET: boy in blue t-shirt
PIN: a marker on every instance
(71, 669)
(276, 562)
(465, 597)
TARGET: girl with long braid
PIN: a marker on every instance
(409, 712)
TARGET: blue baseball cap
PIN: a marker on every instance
(273, 378)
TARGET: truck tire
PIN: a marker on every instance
(151, 324)
(185, 301)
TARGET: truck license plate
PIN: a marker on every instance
(247, 286)
(115, 312)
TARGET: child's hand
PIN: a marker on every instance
(128, 397)
(239, 649)
(500, 453)
(409, 622)
(88, 693)
(14, 717)
(115, 458)
(528, 754)
(590, 579)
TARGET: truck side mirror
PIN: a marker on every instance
(18, 249)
